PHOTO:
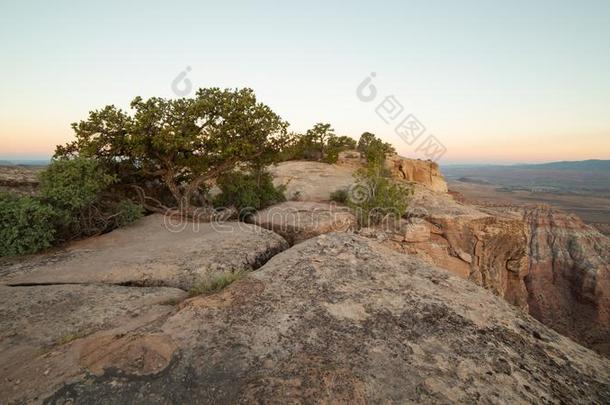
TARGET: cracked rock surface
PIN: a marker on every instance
(335, 319)
(297, 221)
(152, 252)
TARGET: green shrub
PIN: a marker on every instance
(128, 212)
(247, 192)
(373, 148)
(26, 225)
(375, 197)
(341, 196)
(72, 185)
(319, 144)
(74, 188)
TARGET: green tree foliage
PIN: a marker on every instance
(26, 225)
(127, 212)
(338, 144)
(320, 144)
(80, 192)
(373, 148)
(376, 197)
(183, 143)
(72, 185)
(247, 192)
(74, 200)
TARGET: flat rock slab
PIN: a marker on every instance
(39, 323)
(153, 252)
(341, 319)
(311, 181)
(297, 221)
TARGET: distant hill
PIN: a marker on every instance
(585, 176)
(592, 164)
(25, 162)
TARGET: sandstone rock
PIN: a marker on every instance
(339, 318)
(569, 276)
(311, 181)
(315, 181)
(488, 249)
(351, 158)
(297, 221)
(416, 233)
(423, 172)
(39, 324)
(19, 179)
(152, 252)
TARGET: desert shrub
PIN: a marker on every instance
(376, 197)
(319, 144)
(72, 185)
(75, 188)
(247, 192)
(128, 212)
(341, 196)
(373, 148)
(26, 225)
(214, 283)
(337, 144)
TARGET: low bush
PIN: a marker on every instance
(26, 225)
(75, 188)
(128, 212)
(75, 200)
(373, 148)
(375, 197)
(72, 185)
(341, 196)
(247, 192)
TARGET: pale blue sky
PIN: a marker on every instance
(494, 81)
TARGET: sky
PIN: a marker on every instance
(490, 81)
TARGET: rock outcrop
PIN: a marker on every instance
(569, 276)
(19, 179)
(38, 322)
(311, 181)
(540, 260)
(423, 172)
(297, 221)
(335, 319)
(157, 251)
(314, 181)
(489, 250)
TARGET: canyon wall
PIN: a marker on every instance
(541, 260)
(569, 276)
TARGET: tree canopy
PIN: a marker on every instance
(183, 142)
(373, 148)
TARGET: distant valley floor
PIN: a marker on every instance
(594, 210)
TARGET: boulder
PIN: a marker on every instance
(156, 251)
(315, 181)
(311, 181)
(351, 158)
(423, 172)
(337, 318)
(297, 221)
